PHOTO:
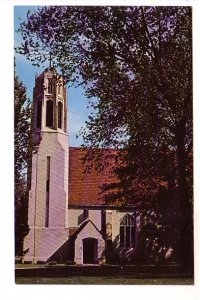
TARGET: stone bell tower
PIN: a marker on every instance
(48, 195)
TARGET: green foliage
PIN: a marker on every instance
(22, 137)
(137, 62)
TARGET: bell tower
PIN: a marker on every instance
(48, 195)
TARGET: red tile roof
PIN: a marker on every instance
(84, 188)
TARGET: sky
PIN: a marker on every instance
(77, 103)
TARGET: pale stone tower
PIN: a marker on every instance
(48, 196)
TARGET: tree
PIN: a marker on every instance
(137, 61)
(22, 137)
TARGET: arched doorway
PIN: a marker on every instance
(90, 251)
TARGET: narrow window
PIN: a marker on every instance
(133, 235)
(39, 114)
(49, 114)
(40, 87)
(60, 108)
(47, 192)
(60, 89)
(127, 231)
(50, 86)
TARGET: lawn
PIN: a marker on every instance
(103, 280)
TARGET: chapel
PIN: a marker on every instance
(68, 219)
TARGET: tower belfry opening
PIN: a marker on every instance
(49, 113)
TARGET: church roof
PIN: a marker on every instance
(85, 188)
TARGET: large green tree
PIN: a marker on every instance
(22, 136)
(137, 62)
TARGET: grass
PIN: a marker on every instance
(29, 266)
(28, 275)
(103, 281)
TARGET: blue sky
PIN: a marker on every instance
(77, 103)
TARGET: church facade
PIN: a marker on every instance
(68, 220)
